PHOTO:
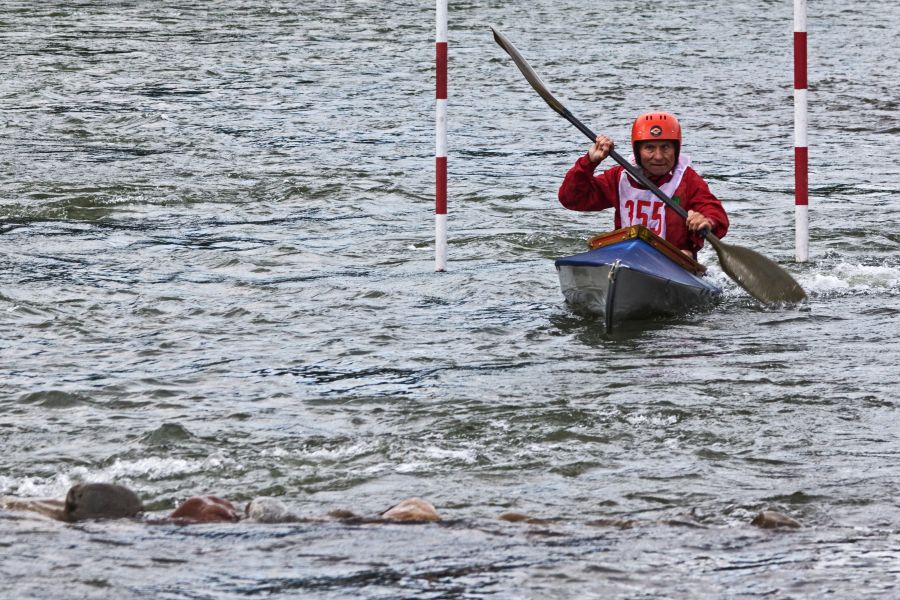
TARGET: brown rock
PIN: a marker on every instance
(206, 509)
(514, 517)
(55, 509)
(769, 519)
(413, 510)
(342, 514)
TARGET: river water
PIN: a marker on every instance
(218, 278)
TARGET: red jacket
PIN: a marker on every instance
(581, 190)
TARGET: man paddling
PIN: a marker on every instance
(656, 139)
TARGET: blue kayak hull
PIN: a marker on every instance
(631, 280)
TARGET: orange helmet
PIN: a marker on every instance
(655, 126)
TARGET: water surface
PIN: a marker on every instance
(217, 277)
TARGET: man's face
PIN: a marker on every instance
(657, 157)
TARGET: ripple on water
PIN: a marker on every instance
(54, 399)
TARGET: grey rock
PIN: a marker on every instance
(101, 501)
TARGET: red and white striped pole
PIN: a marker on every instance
(801, 151)
(440, 155)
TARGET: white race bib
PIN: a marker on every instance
(642, 207)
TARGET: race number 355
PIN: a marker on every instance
(649, 213)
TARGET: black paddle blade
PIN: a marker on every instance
(528, 72)
(760, 277)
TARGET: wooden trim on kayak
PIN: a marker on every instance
(639, 231)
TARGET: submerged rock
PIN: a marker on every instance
(770, 519)
(683, 523)
(342, 514)
(414, 510)
(613, 523)
(514, 517)
(206, 509)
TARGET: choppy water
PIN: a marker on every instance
(217, 277)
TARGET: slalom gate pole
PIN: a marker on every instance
(801, 150)
(440, 155)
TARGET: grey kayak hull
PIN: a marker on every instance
(619, 293)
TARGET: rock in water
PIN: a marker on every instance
(101, 501)
(49, 507)
(514, 517)
(615, 523)
(343, 514)
(770, 519)
(414, 510)
(269, 510)
(206, 509)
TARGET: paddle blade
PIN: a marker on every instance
(760, 277)
(528, 72)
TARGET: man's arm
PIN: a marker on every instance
(580, 190)
(704, 209)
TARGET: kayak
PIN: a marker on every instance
(632, 274)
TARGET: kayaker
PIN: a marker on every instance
(656, 140)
